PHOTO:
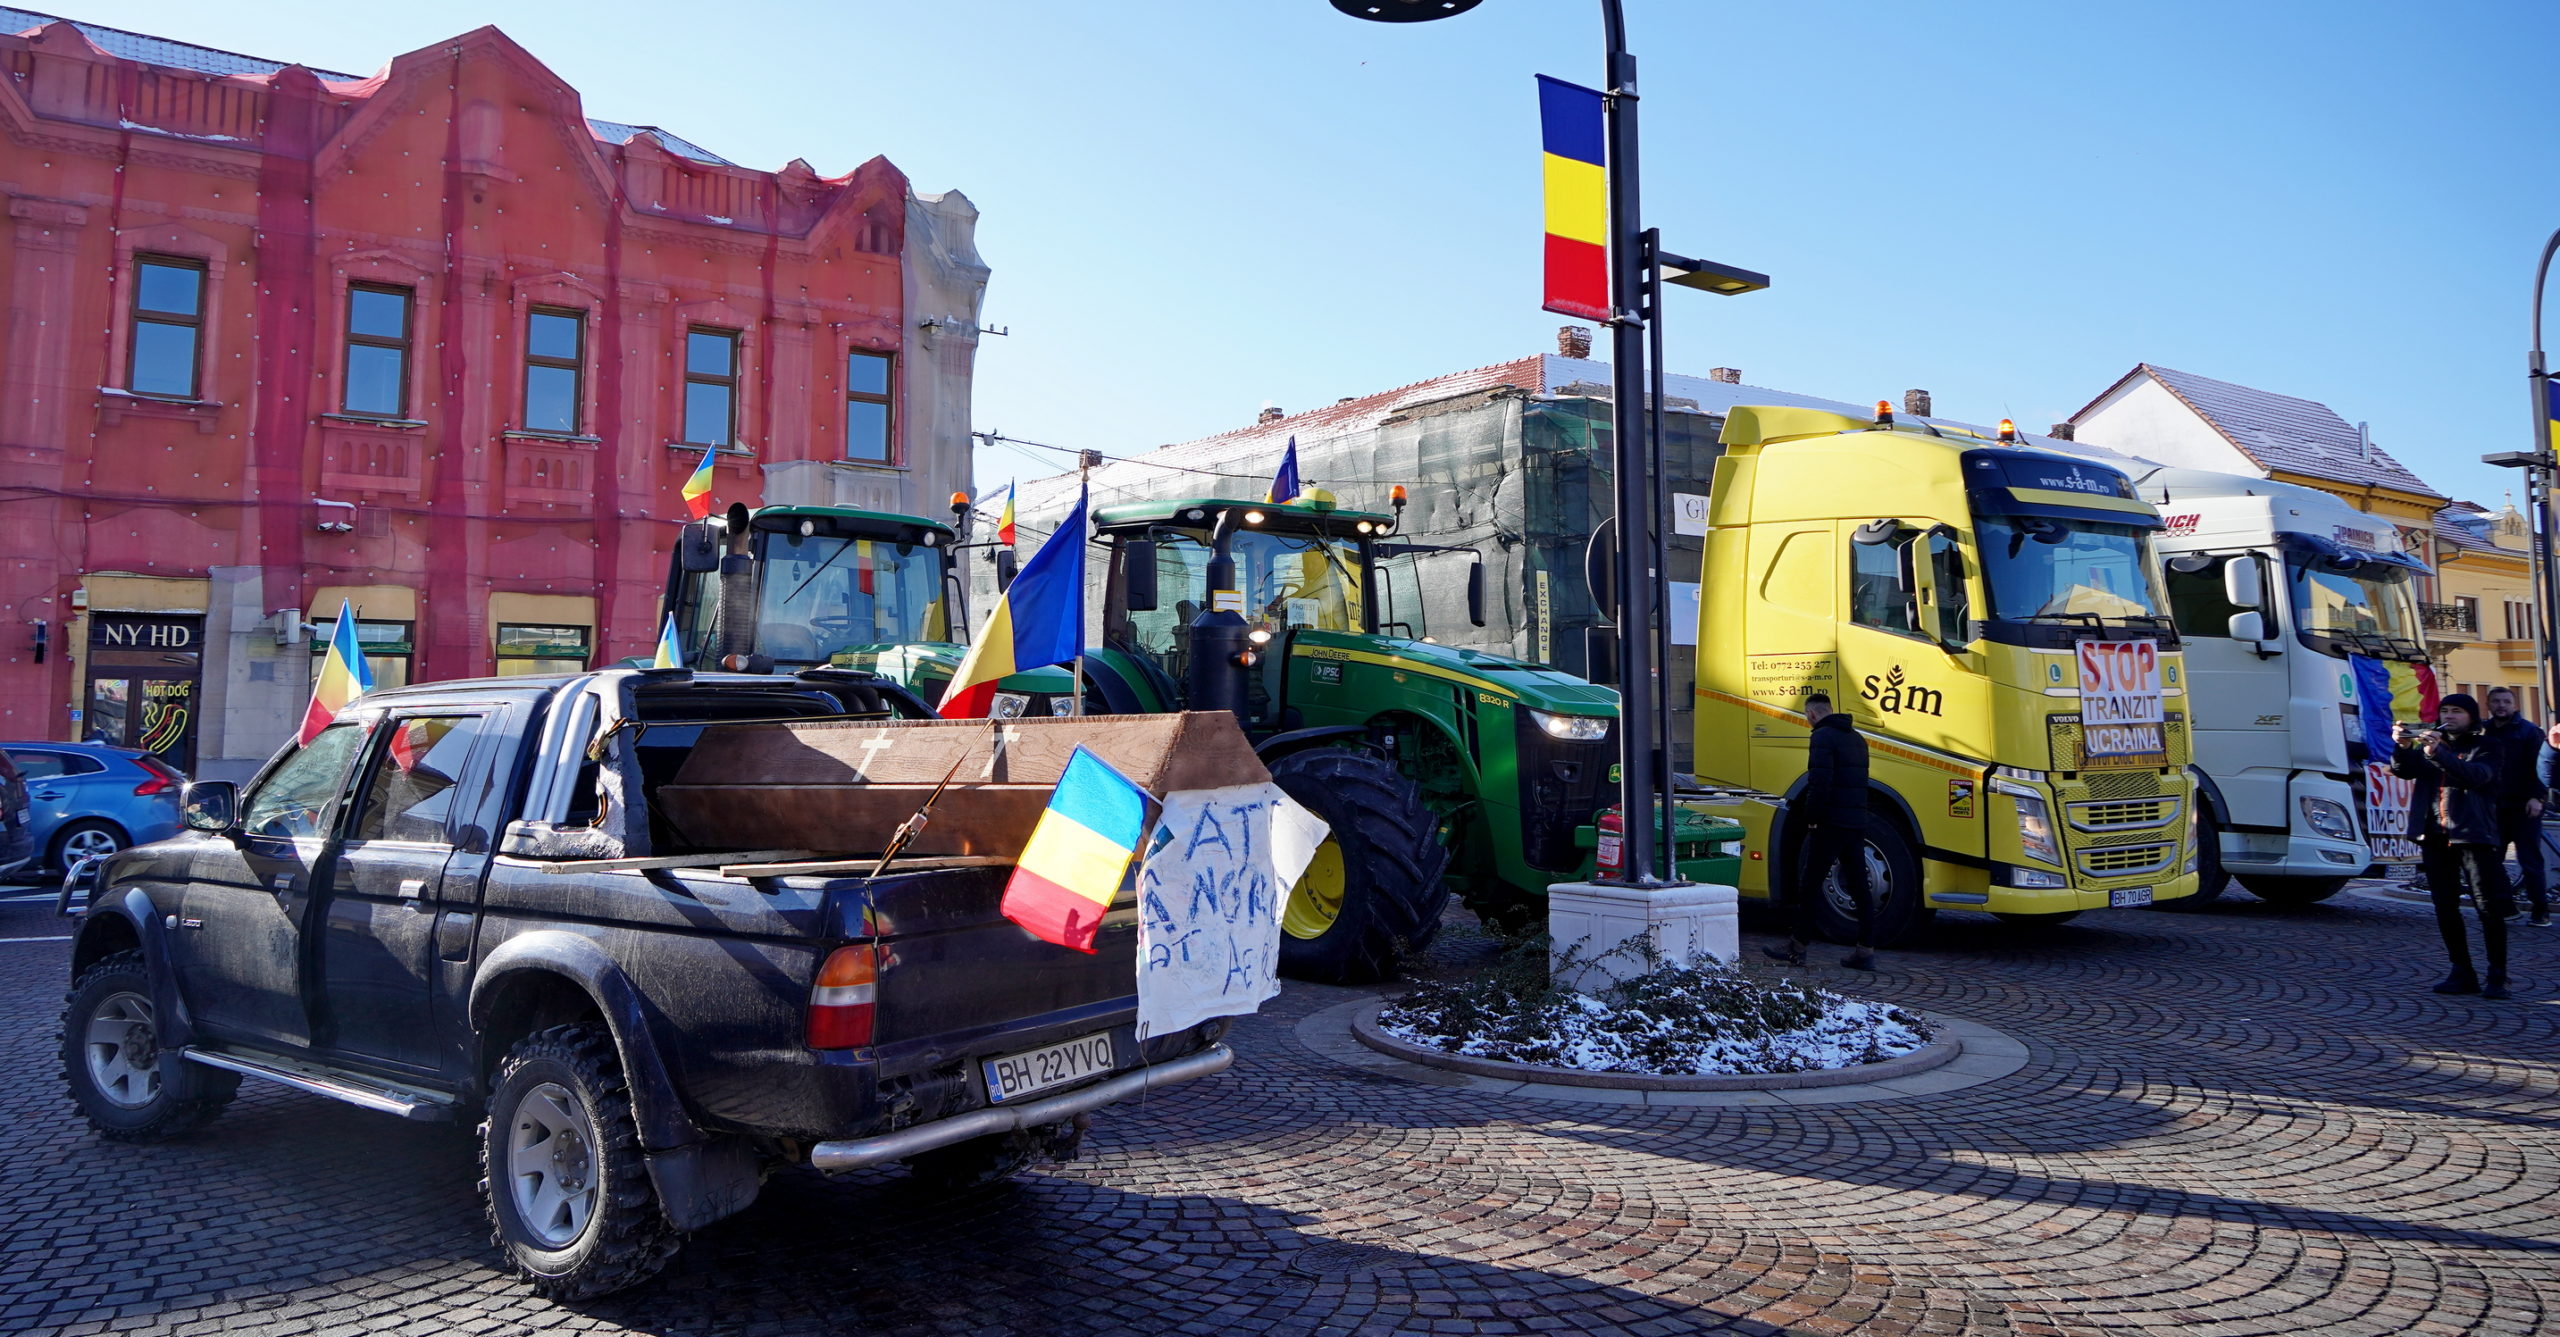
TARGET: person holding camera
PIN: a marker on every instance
(2455, 807)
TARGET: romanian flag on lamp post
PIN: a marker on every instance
(344, 676)
(697, 486)
(1079, 851)
(1577, 192)
(1039, 621)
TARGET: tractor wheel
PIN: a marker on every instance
(1373, 893)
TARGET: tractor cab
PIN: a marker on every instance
(791, 587)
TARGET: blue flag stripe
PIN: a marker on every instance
(1100, 799)
(1045, 605)
(1569, 118)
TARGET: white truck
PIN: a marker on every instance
(2273, 586)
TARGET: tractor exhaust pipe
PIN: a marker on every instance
(1222, 651)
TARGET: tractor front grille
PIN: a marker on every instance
(1563, 785)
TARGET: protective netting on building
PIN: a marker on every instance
(1520, 479)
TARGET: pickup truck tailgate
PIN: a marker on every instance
(952, 965)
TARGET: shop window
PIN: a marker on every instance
(866, 407)
(168, 327)
(525, 648)
(710, 386)
(554, 369)
(377, 382)
(387, 651)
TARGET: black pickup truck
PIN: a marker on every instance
(455, 902)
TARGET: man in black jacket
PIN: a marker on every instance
(2520, 749)
(2455, 806)
(1834, 804)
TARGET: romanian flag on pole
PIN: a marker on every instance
(1004, 522)
(1038, 621)
(1569, 125)
(343, 676)
(697, 487)
(1284, 484)
(670, 654)
(2551, 412)
(2388, 690)
(1078, 852)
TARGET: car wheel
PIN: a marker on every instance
(111, 1059)
(86, 839)
(570, 1204)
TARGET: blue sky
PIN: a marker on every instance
(1196, 207)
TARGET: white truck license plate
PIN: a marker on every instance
(2123, 896)
(1017, 1075)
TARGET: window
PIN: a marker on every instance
(554, 365)
(2519, 620)
(710, 386)
(2470, 615)
(168, 326)
(377, 350)
(1879, 596)
(410, 792)
(295, 798)
(386, 648)
(866, 407)
(2197, 601)
(524, 648)
(53, 765)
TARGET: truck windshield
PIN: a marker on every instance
(2364, 607)
(1288, 580)
(2040, 569)
(821, 596)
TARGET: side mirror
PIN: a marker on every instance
(1475, 593)
(1004, 569)
(2242, 586)
(1138, 574)
(698, 547)
(209, 805)
(2248, 626)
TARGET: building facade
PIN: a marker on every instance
(431, 342)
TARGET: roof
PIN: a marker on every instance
(2466, 524)
(2279, 433)
(149, 50)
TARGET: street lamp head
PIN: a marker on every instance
(1404, 11)
(2519, 459)
(1708, 276)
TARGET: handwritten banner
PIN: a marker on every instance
(1219, 865)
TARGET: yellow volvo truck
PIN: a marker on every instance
(1992, 617)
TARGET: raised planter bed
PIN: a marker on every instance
(1938, 1052)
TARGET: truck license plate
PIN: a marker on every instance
(1016, 1075)
(2121, 897)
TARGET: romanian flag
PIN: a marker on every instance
(1004, 522)
(1284, 484)
(1079, 852)
(1569, 123)
(2551, 412)
(343, 676)
(1039, 620)
(2388, 690)
(865, 563)
(670, 654)
(697, 488)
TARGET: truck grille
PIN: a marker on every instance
(2127, 860)
(1563, 785)
(2063, 733)
(2122, 784)
(2122, 814)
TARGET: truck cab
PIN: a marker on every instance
(1992, 618)
(2276, 588)
(782, 588)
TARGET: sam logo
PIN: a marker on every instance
(1893, 696)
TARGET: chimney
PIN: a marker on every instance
(1916, 403)
(1728, 375)
(1574, 341)
(1270, 413)
(2062, 432)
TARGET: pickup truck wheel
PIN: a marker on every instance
(1373, 894)
(111, 1059)
(570, 1203)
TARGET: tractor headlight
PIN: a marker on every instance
(2035, 821)
(1573, 728)
(1062, 705)
(1009, 706)
(2328, 817)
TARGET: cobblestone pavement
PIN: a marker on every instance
(2242, 1120)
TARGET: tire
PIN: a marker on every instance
(111, 1059)
(2212, 879)
(2035, 922)
(82, 839)
(570, 1204)
(2293, 890)
(1893, 878)
(1373, 895)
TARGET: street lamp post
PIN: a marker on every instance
(2538, 382)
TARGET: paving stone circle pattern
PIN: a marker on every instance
(2235, 1121)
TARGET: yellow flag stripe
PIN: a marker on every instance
(1577, 201)
(990, 656)
(1075, 856)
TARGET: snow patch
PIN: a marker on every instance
(181, 134)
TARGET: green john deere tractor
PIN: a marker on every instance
(1438, 768)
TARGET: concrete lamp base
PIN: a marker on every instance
(1686, 923)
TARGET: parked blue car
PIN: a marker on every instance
(89, 799)
(17, 842)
